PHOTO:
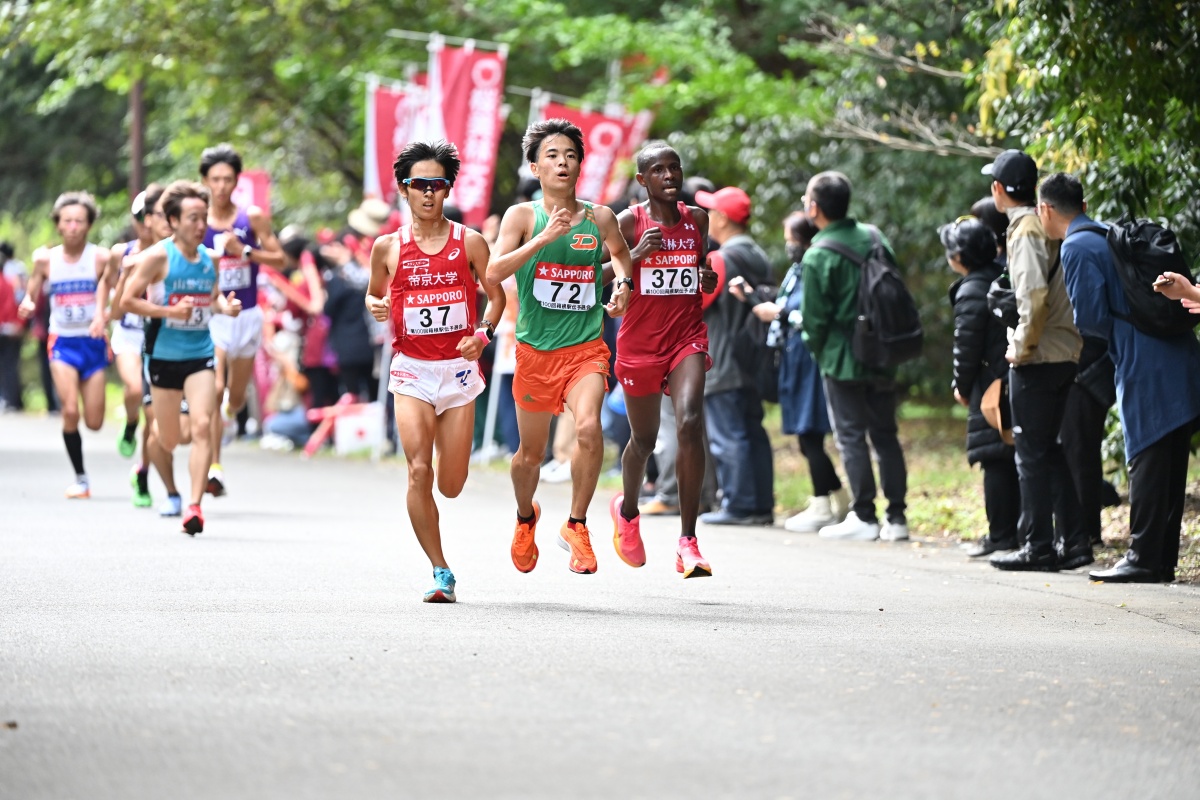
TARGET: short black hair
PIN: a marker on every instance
(996, 220)
(177, 192)
(801, 227)
(1063, 192)
(972, 241)
(538, 132)
(440, 151)
(831, 192)
(649, 151)
(75, 199)
(221, 154)
(153, 192)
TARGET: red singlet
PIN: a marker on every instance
(433, 297)
(664, 307)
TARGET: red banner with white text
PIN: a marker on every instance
(394, 116)
(604, 140)
(471, 94)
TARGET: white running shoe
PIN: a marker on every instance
(894, 531)
(851, 529)
(556, 472)
(817, 515)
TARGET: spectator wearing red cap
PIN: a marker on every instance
(732, 406)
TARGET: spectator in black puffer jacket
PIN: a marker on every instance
(980, 340)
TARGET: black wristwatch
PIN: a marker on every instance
(627, 281)
(491, 330)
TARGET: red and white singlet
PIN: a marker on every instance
(665, 306)
(433, 297)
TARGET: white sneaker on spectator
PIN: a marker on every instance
(817, 515)
(894, 531)
(851, 529)
(556, 472)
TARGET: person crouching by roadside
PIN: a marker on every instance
(980, 340)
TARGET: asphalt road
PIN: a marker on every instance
(285, 653)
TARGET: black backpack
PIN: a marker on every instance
(888, 330)
(1141, 251)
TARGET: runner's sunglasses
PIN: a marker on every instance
(427, 184)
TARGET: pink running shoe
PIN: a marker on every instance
(627, 535)
(689, 561)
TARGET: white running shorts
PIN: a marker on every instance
(240, 336)
(127, 340)
(442, 384)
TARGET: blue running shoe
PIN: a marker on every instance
(172, 507)
(443, 586)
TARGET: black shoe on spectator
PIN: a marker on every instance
(986, 547)
(1025, 560)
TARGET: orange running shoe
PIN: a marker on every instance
(579, 543)
(627, 535)
(689, 561)
(524, 548)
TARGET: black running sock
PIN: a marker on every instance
(75, 450)
(143, 479)
(130, 430)
(527, 520)
(573, 521)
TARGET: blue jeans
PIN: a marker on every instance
(292, 424)
(741, 450)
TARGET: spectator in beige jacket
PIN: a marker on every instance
(1044, 352)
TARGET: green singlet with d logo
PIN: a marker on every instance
(559, 288)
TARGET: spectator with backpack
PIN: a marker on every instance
(1157, 376)
(733, 407)
(861, 397)
(1044, 352)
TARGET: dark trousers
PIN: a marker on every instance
(357, 380)
(1001, 499)
(858, 409)
(10, 372)
(820, 467)
(1157, 485)
(1038, 393)
(1081, 435)
(741, 450)
(52, 404)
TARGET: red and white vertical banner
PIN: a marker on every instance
(622, 172)
(469, 84)
(394, 116)
(604, 137)
(253, 189)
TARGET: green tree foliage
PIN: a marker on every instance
(907, 98)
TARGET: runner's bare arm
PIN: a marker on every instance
(480, 253)
(708, 278)
(229, 305)
(382, 267)
(610, 233)
(269, 251)
(41, 269)
(148, 268)
(112, 269)
(516, 245)
(628, 226)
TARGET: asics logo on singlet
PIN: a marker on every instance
(453, 254)
(584, 241)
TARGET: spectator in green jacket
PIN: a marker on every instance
(862, 400)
